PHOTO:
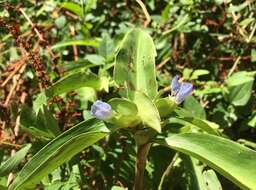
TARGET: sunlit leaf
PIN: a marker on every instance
(135, 63)
(230, 159)
(13, 161)
(58, 151)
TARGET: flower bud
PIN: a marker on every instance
(101, 110)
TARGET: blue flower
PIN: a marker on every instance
(101, 110)
(180, 90)
(175, 84)
(184, 91)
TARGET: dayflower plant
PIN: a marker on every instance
(140, 109)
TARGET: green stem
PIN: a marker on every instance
(141, 159)
(167, 171)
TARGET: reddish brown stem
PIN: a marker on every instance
(141, 159)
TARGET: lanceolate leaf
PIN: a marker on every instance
(92, 42)
(207, 126)
(58, 151)
(73, 7)
(198, 177)
(13, 161)
(73, 82)
(135, 63)
(232, 160)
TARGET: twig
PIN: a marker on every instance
(72, 31)
(17, 123)
(234, 66)
(15, 82)
(229, 58)
(10, 144)
(37, 32)
(32, 24)
(16, 69)
(163, 63)
(167, 171)
(144, 9)
(72, 15)
(252, 34)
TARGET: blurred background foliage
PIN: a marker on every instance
(211, 43)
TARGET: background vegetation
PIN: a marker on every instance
(210, 43)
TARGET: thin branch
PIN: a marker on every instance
(32, 24)
(16, 79)
(20, 63)
(15, 82)
(144, 9)
(158, 67)
(252, 33)
(10, 144)
(234, 66)
(229, 58)
(72, 32)
(168, 171)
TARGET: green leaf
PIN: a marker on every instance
(179, 23)
(73, 7)
(91, 42)
(239, 88)
(237, 8)
(95, 59)
(14, 161)
(199, 72)
(73, 82)
(147, 111)
(40, 102)
(252, 120)
(135, 64)
(253, 55)
(198, 177)
(60, 22)
(117, 188)
(194, 107)
(42, 125)
(58, 151)
(125, 112)
(49, 122)
(232, 160)
(207, 126)
(106, 47)
(80, 64)
(211, 180)
(244, 23)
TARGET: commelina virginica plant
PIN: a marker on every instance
(148, 114)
